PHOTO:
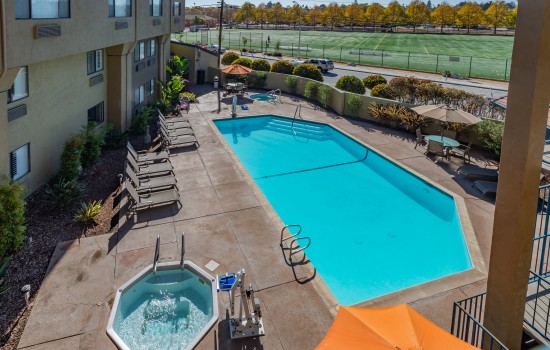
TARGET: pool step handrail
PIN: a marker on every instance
(295, 246)
(156, 257)
(276, 93)
(182, 249)
(297, 113)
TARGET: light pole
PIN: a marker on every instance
(220, 55)
(299, 28)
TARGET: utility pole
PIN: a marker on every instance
(220, 56)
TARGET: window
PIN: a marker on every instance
(94, 61)
(152, 48)
(139, 52)
(97, 113)
(139, 95)
(120, 8)
(20, 87)
(20, 162)
(25, 9)
(176, 9)
(156, 8)
(151, 87)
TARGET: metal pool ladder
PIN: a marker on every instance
(156, 257)
(294, 245)
(276, 93)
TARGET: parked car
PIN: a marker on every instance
(215, 48)
(324, 65)
(295, 62)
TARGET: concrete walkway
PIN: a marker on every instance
(226, 220)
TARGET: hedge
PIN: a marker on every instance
(261, 65)
(373, 80)
(308, 71)
(283, 67)
(351, 83)
(229, 57)
(243, 61)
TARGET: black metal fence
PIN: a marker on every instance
(459, 66)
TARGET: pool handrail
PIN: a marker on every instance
(294, 246)
(274, 93)
(156, 257)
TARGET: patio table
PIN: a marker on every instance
(447, 141)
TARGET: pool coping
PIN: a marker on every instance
(427, 289)
(117, 340)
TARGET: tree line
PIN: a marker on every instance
(417, 13)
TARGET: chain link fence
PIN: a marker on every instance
(458, 66)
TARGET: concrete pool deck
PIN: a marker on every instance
(225, 220)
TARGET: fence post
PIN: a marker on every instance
(250, 45)
(382, 58)
(262, 43)
(359, 61)
(307, 49)
(470, 71)
(409, 60)
(437, 63)
(291, 49)
(240, 41)
(229, 44)
(506, 69)
(340, 53)
(324, 52)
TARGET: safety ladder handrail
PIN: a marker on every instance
(298, 248)
(156, 257)
(292, 235)
(297, 113)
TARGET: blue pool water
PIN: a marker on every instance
(375, 228)
(164, 310)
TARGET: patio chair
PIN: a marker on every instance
(420, 140)
(449, 133)
(180, 119)
(145, 157)
(486, 187)
(437, 148)
(147, 183)
(177, 141)
(174, 130)
(462, 151)
(472, 171)
(140, 201)
(153, 169)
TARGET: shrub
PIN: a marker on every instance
(373, 80)
(178, 66)
(94, 139)
(261, 65)
(261, 77)
(354, 103)
(324, 93)
(351, 83)
(114, 139)
(490, 133)
(411, 120)
(292, 82)
(70, 158)
(308, 71)
(229, 57)
(170, 92)
(12, 216)
(310, 89)
(191, 96)
(283, 67)
(140, 122)
(245, 41)
(243, 61)
(88, 212)
(63, 193)
(381, 90)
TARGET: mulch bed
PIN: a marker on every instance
(46, 227)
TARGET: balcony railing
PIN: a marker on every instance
(467, 324)
(537, 305)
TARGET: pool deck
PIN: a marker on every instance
(227, 221)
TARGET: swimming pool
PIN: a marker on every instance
(375, 227)
(263, 97)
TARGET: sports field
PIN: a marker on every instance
(469, 55)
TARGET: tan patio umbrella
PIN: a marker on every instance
(236, 69)
(446, 114)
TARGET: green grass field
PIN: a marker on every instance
(479, 55)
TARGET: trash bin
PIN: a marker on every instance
(200, 76)
(216, 82)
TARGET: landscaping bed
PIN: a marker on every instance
(46, 227)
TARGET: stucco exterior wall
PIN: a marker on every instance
(57, 107)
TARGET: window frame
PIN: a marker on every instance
(12, 88)
(140, 48)
(176, 5)
(100, 107)
(152, 7)
(152, 46)
(30, 14)
(139, 95)
(128, 8)
(151, 87)
(12, 175)
(95, 61)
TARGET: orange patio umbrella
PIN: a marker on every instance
(395, 327)
(236, 69)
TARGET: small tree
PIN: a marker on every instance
(310, 89)
(245, 41)
(243, 61)
(229, 57)
(373, 80)
(12, 216)
(325, 92)
(354, 103)
(351, 83)
(283, 67)
(308, 71)
(292, 82)
(261, 65)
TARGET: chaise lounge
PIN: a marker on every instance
(140, 201)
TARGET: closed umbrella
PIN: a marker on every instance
(236, 69)
(446, 114)
(391, 328)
